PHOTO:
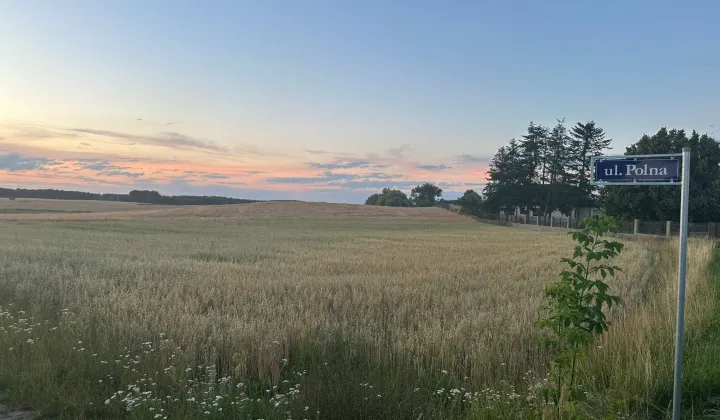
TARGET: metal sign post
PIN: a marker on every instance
(657, 170)
(682, 264)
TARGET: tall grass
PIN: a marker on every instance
(311, 319)
(632, 367)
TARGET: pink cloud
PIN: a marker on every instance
(54, 158)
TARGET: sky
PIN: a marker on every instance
(332, 100)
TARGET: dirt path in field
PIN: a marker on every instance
(8, 414)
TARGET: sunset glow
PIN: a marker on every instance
(98, 160)
(323, 100)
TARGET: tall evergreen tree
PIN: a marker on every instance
(558, 159)
(507, 180)
(586, 140)
(554, 193)
(547, 169)
(533, 165)
(533, 148)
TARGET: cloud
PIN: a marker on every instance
(381, 175)
(215, 176)
(376, 180)
(337, 179)
(124, 173)
(33, 132)
(399, 152)
(96, 181)
(325, 177)
(99, 165)
(466, 159)
(368, 184)
(318, 152)
(307, 174)
(341, 165)
(229, 184)
(96, 160)
(460, 184)
(14, 162)
(105, 167)
(326, 153)
(165, 139)
(434, 167)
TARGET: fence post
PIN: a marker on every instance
(537, 221)
(568, 222)
(636, 226)
(711, 230)
(668, 228)
(551, 224)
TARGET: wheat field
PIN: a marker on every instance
(298, 310)
(43, 204)
(278, 210)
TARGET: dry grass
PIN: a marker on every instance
(636, 358)
(40, 204)
(252, 211)
(396, 304)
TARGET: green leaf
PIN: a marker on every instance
(578, 252)
(575, 303)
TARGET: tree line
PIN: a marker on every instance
(425, 195)
(659, 202)
(545, 170)
(134, 196)
(548, 169)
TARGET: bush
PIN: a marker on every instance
(425, 195)
(471, 203)
(372, 200)
(389, 198)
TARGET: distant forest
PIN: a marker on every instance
(134, 196)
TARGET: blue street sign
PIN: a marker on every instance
(638, 169)
(657, 170)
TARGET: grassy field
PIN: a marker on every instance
(37, 205)
(296, 310)
(252, 211)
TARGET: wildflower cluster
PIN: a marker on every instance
(150, 380)
(196, 391)
(504, 402)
